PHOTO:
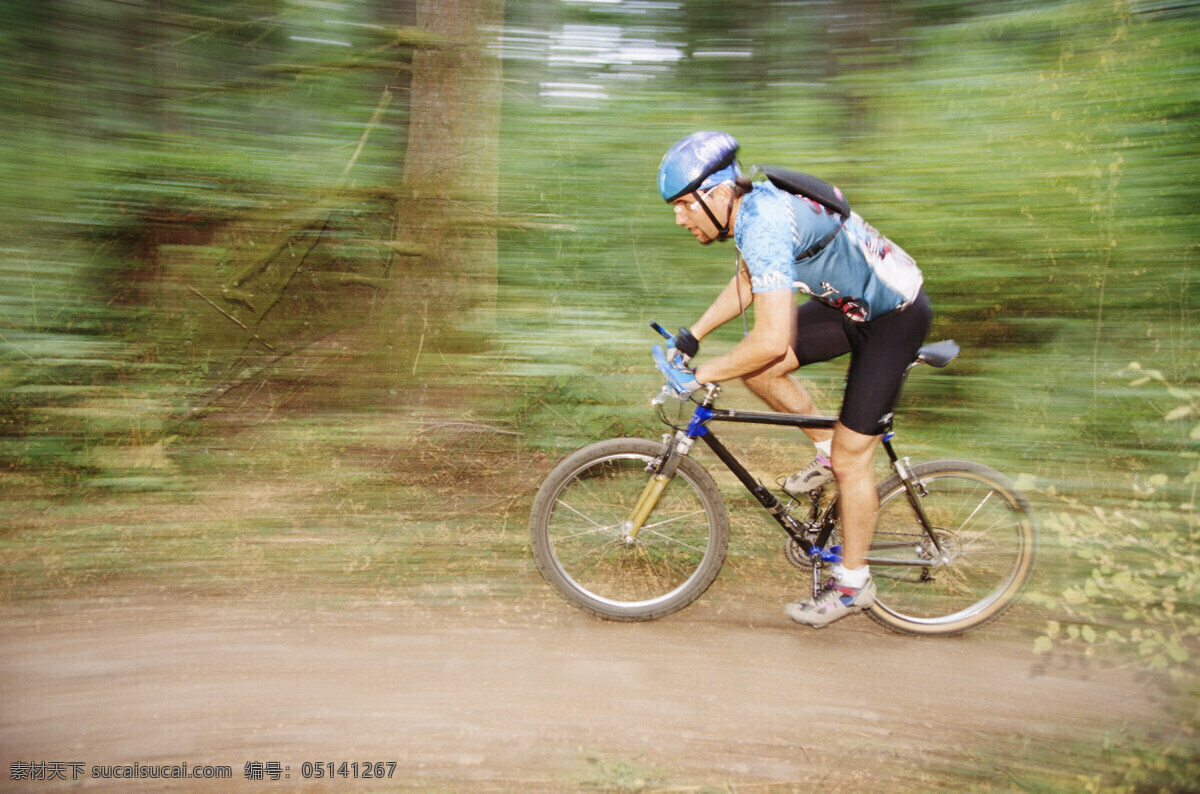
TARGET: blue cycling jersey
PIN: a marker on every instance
(860, 272)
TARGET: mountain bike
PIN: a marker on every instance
(635, 529)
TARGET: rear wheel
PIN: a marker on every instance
(578, 522)
(985, 531)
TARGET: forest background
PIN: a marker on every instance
(357, 270)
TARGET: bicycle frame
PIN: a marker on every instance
(822, 523)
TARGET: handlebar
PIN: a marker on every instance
(681, 381)
(660, 357)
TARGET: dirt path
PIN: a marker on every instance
(527, 695)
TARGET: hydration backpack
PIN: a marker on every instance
(810, 187)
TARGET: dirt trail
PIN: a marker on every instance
(527, 695)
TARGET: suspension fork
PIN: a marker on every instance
(676, 448)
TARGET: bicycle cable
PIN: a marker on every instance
(662, 414)
(738, 283)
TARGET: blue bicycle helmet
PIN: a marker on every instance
(700, 160)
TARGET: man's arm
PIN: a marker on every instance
(769, 340)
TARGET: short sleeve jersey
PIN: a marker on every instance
(860, 272)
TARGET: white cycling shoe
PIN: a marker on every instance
(833, 602)
(810, 478)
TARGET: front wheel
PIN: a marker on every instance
(985, 531)
(578, 523)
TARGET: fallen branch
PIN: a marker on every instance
(323, 209)
(384, 100)
(229, 317)
(328, 279)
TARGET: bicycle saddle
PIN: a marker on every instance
(939, 354)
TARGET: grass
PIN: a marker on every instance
(336, 510)
(618, 775)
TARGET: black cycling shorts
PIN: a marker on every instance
(880, 352)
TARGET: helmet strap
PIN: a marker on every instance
(722, 228)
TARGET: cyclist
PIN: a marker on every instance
(867, 300)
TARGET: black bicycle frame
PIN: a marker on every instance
(698, 427)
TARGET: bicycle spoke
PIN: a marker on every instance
(676, 518)
(675, 541)
(581, 515)
(596, 528)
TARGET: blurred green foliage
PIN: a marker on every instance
(166, 165)
(198, 232)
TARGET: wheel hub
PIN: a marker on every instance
(948, 543)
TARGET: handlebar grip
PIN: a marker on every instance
(663, 363)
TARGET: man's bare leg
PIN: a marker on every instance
(851, 589)
(774, 386)
(858, 502)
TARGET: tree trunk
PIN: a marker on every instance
(451, 182)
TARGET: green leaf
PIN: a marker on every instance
(1042, 645)
(1074, 597)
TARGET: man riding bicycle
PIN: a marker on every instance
(867, 300)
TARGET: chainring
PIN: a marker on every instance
(796, 556)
